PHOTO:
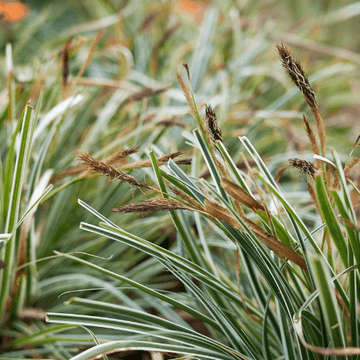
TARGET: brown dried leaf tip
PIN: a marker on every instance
(306, 167)
(297, 74)
(97, 166)
(212, 123)
(150, 205)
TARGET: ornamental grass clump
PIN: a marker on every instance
(259, 280)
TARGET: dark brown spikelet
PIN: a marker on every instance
(95, 166)
(2, 264)
(212, 123)
(297, 74)
(150, 205)
(306, 167)
(65, 56)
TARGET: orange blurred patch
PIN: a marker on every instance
(189, 6)
(191, 10)
(13, 11)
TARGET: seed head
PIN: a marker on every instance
(212, 123)
(306, 167)
(150, 205)
(297, 74)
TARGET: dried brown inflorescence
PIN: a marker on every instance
(298, 76)
(306, 167)
(120, 156)
(187, 93)
(95, 166)
(213, 124)
(116, 159)
(149, 205)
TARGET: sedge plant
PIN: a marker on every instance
(100, 96)
(260, 280)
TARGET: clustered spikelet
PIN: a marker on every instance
(306, 167)
(212, 123)
(94, 166)
(115, 159)
(150, 205)
(119, 156)
(297, 74)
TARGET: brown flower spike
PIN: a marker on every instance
(306, 167)
(151, 205)
(212, 123)
(297, 74)
(97, 166)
